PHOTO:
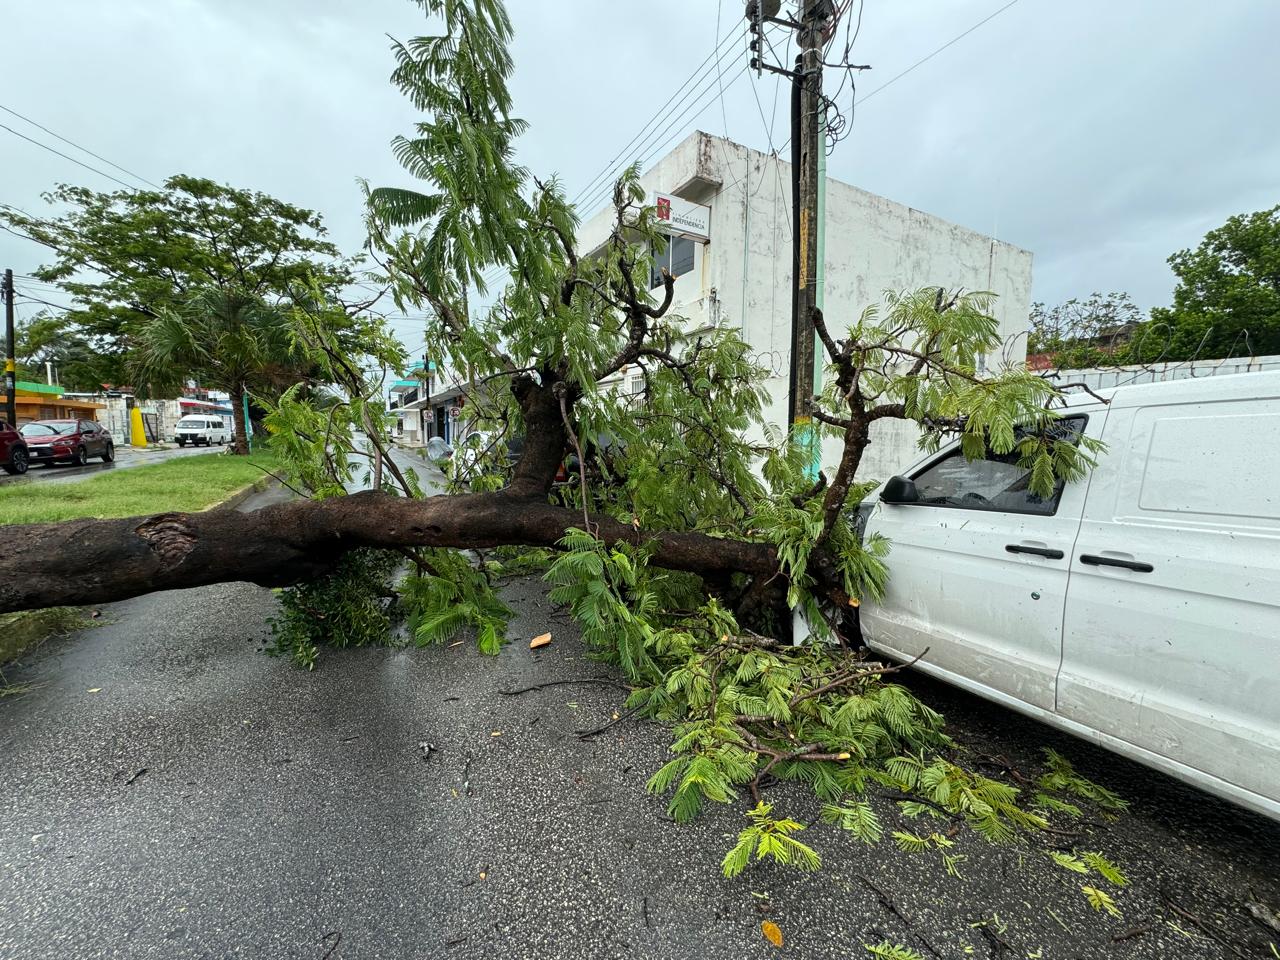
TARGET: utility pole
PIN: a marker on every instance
(10, 366)
(812, 14)
(808, 173)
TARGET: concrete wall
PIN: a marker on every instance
(743, 277)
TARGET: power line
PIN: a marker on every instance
(718, 53)
(705, 82)
(22, 236)
(698, 104)
(96, 156)
(45, 146)
(57, 306)
(599, 185)
(925, 59)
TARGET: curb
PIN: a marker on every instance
(244, 493)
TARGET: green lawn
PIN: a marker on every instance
(184, 484)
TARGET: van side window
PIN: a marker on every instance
(995, 483)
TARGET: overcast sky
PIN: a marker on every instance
(1102, 136)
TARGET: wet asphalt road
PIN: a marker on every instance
(169, 791)
(126, 457)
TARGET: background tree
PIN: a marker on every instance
(1098, 331)
(224, 339)
(1227, 302)
(126, 256)
(684, 561)
(51, 337)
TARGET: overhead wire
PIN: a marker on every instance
(84, 149)
(926, 59)
(707, 91)
(30, 299)
(706, 76)
(718, 52)
(45, 146)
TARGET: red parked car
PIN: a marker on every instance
(73, 441)
(13, 450)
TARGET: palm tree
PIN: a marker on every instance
(224, 339)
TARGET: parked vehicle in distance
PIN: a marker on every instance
(14, 458)
(69, 441)
(196, 429)
(1137, 608)
(478, 444)
(438, 451)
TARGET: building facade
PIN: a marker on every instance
(730, 213)
(40, 401)
(428, 402)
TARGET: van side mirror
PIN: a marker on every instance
(899, 490)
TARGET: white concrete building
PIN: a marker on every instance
(429, 401)
(730, 209)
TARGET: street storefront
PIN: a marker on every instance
(40, 401)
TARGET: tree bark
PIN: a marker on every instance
(97, 561)
(240, 442)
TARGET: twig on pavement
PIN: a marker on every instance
(555, 683)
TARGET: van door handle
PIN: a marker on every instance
(1047, 552)
(1096, 561)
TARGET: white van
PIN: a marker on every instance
(1138, 608)
(197, 429)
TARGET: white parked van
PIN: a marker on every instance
(197, 429)
(1138, 608)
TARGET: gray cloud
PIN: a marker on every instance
(1102, 136)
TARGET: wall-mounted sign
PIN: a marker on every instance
(682, 217)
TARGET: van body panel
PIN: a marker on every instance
(1267, 806)
(956, 589)
(1183, 660)
(198, 428)
(1176, 666)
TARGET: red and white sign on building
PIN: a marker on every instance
(683, 217)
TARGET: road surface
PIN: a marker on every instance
(169, 791)
(126, 457)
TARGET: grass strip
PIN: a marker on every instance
(184, 484)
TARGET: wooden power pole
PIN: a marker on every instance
(810, 83)
(10, 366)
(808, 147)
(807, 131)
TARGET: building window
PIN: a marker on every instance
(677, 258)
(637, 384)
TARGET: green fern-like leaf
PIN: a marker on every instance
(1068, 862)
(859, 818)
(1100, 900)
(909, 842)
(1105, 867)
(891, 951)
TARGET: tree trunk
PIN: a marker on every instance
(97, 561)
(240, 443)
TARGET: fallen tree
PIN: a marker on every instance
(97, 561)
(691, 530)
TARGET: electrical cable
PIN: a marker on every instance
(96, 156)
(696, 107)
(693, 80)
(45, 146)
(695, 102)
(924, 60)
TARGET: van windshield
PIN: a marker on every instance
(193, 423)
